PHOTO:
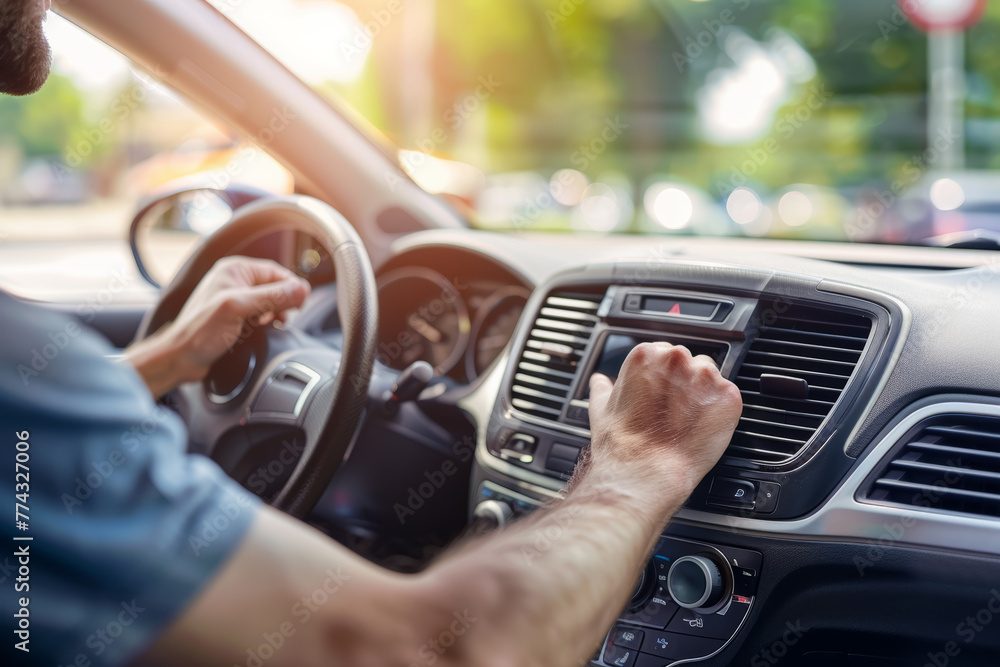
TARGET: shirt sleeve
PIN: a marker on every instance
(125, 527)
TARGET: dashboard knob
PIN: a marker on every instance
(643, 591)
(495, 512)
(695, 582)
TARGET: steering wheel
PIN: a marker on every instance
(280, 380)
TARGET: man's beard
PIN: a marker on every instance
(24, 52)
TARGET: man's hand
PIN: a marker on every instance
(668, 417)
(237, 292)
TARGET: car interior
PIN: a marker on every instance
(435, 384)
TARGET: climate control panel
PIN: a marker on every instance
(689, 603)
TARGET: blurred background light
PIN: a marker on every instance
(669, 206)
(743, 206)
(567, 186)
(946, 194)
(795, 208)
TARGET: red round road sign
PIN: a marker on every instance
(931, 15)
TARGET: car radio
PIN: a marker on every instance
(689, 603)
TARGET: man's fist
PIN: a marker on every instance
(668, 414)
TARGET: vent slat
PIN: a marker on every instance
(752, 434)
(946, 469)
(821, 335)
(948, 463)
(547, 371)
(755, 453)
(550, 359)
(779, 424)
(534, 408)
(963, 432)
(546, 323)
(574, 304)
(531, 379)
(797, 358)
(939, 490)
(558, 337)
(817, 345)
(562, 313)
(536, 393)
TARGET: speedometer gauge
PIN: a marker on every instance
(495, 322)
(422, 317)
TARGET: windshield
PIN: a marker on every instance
(784, 118)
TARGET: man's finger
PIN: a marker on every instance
(264, 271)
(274, 297)
(600, 389)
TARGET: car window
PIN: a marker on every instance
(78, 156)
(808, 119)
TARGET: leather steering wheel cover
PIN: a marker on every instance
(348, 392)
(294, 212)
(357, 309)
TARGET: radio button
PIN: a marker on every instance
(733, 492)
(627, 638)
(714, 626)
(673, 645)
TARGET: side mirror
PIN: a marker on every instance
(168, 227)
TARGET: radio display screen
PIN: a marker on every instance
(617, 346)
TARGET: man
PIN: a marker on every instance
(114, 501)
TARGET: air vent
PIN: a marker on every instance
(791, 377)
(549, 361)
(949, 462)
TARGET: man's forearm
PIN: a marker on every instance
(549, 586)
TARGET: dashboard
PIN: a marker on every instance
(854, 519)
(858, 502)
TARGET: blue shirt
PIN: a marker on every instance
(125, 527)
